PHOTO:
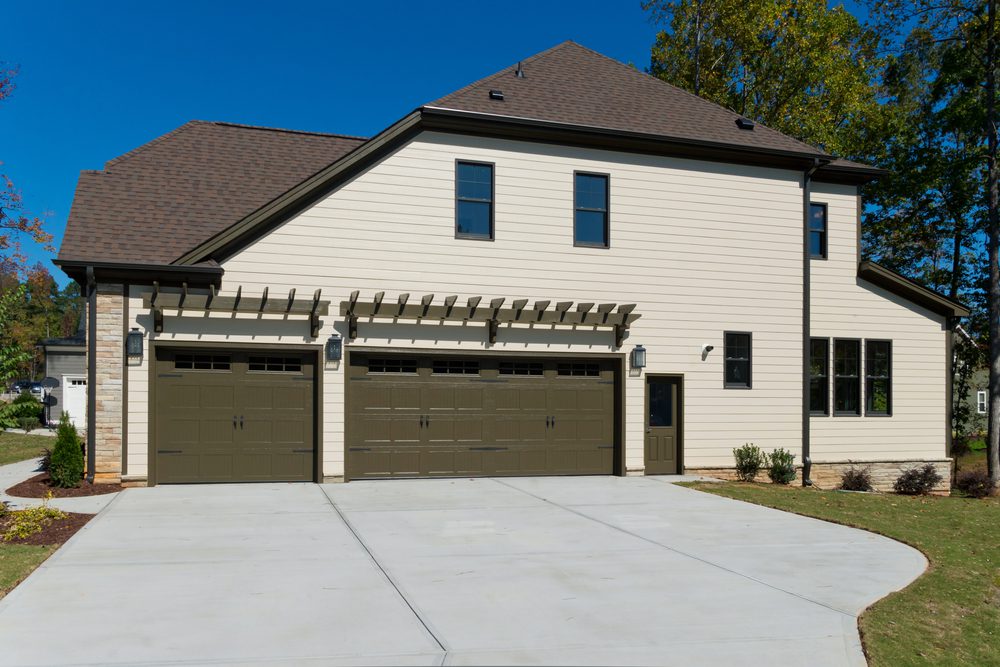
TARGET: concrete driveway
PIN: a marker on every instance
(584, 570)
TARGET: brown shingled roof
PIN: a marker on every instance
(573, 85)
(158, 201)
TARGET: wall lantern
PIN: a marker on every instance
(334, 347)
(133, 345)
(639, 357)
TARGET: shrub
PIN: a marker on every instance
(960, 446)
(749, 461)
(27, 522)
(917, 481)
(782, 469)
(25, 405)
(29, 424)
(857, 478)
(66, 463)
(975, 483)
(46, 463)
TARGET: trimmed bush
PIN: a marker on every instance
(25, 405)
(66, 462)
(975, 483)
(857, 478)
(782, 469)
(29, 424)
(749, 460)
(917, 481)
(960, 446)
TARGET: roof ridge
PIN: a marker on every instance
(690, 94)
(152, 142)
(504, 70)
(244, 126)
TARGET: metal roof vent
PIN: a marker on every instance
(496, 95)
(745, 123)
(519, 72)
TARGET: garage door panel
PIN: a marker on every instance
(521, 399)
(528, 428)
(446, 462)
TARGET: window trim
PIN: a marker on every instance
(829, 353)
(826, 230)
(888, 412)
(607, 210)
(860, 379)
(493, 200)
(725, 358)
(982, 399)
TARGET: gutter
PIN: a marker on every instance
(91, 373)
(806, 315)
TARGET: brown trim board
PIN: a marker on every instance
(910, 290)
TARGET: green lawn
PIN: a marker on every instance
(16, 447)
(17, 561)
(950, 615)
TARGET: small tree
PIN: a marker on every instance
(66, 465)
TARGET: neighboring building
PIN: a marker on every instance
(66, 363)
(568, 267)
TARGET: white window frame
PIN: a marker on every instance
(981, 402)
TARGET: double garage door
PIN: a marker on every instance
(429, 416)
(225, 416)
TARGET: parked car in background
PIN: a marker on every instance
(36, 389)
(20, 386)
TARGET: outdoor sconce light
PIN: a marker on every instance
(639, 357)
(133, 345)
(334, 347)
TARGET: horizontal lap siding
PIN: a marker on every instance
(700, 247)
(844, 306)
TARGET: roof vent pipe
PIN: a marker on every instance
(519, 72)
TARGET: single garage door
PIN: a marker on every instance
(422, 416)
(228, 416)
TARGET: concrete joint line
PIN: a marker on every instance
(399, 589)
(677, 551)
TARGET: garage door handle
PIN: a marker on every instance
(421, 421)
(547, 420)
(241, 422)
(234, 421)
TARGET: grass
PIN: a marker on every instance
(951, 614)
(16, 447)
(17, 561)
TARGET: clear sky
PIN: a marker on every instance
(100, 78)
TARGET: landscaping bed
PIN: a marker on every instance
(54, 533)
(20, 556)
(951, 614)
(39, 486)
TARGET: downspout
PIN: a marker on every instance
(91, 374)
(806, 333)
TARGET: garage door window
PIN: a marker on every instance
(521, 368)
(276, 364)
(455, 367)
(392, 366)
(202, 362)
(579, 370)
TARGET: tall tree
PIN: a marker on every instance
(794, 65)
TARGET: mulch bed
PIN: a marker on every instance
(56, 532)
(38, 487)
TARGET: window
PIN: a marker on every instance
(737, 360)
(521, 368)
(590, 214)
(847, 377)
(819, 376)
(579, 370)
(202, 362)
(392, 365)
(817, 231)
(455, 367)
(276, 364)
(878, 377)
(981, 402)
(474, 200)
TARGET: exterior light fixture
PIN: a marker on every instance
(334, 347)
(638, 357)
(133, 345)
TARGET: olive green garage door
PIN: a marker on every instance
(423, 416)
(233, 416)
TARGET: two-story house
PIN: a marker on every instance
(568, 267)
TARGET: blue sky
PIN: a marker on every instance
(98, 79)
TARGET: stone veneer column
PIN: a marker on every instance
(109, 368)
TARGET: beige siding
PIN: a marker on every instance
(845, 306)
(700, 247)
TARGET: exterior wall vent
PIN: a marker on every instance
(745, 123)
(496, 95)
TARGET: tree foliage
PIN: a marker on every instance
(794, 65)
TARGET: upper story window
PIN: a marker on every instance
(817, 231)
(819, 376)
(878, 377)
(590, 210)
(474, 200)
(847, 377)
(737, 360)
(981, 402)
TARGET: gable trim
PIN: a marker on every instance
(910, 290)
